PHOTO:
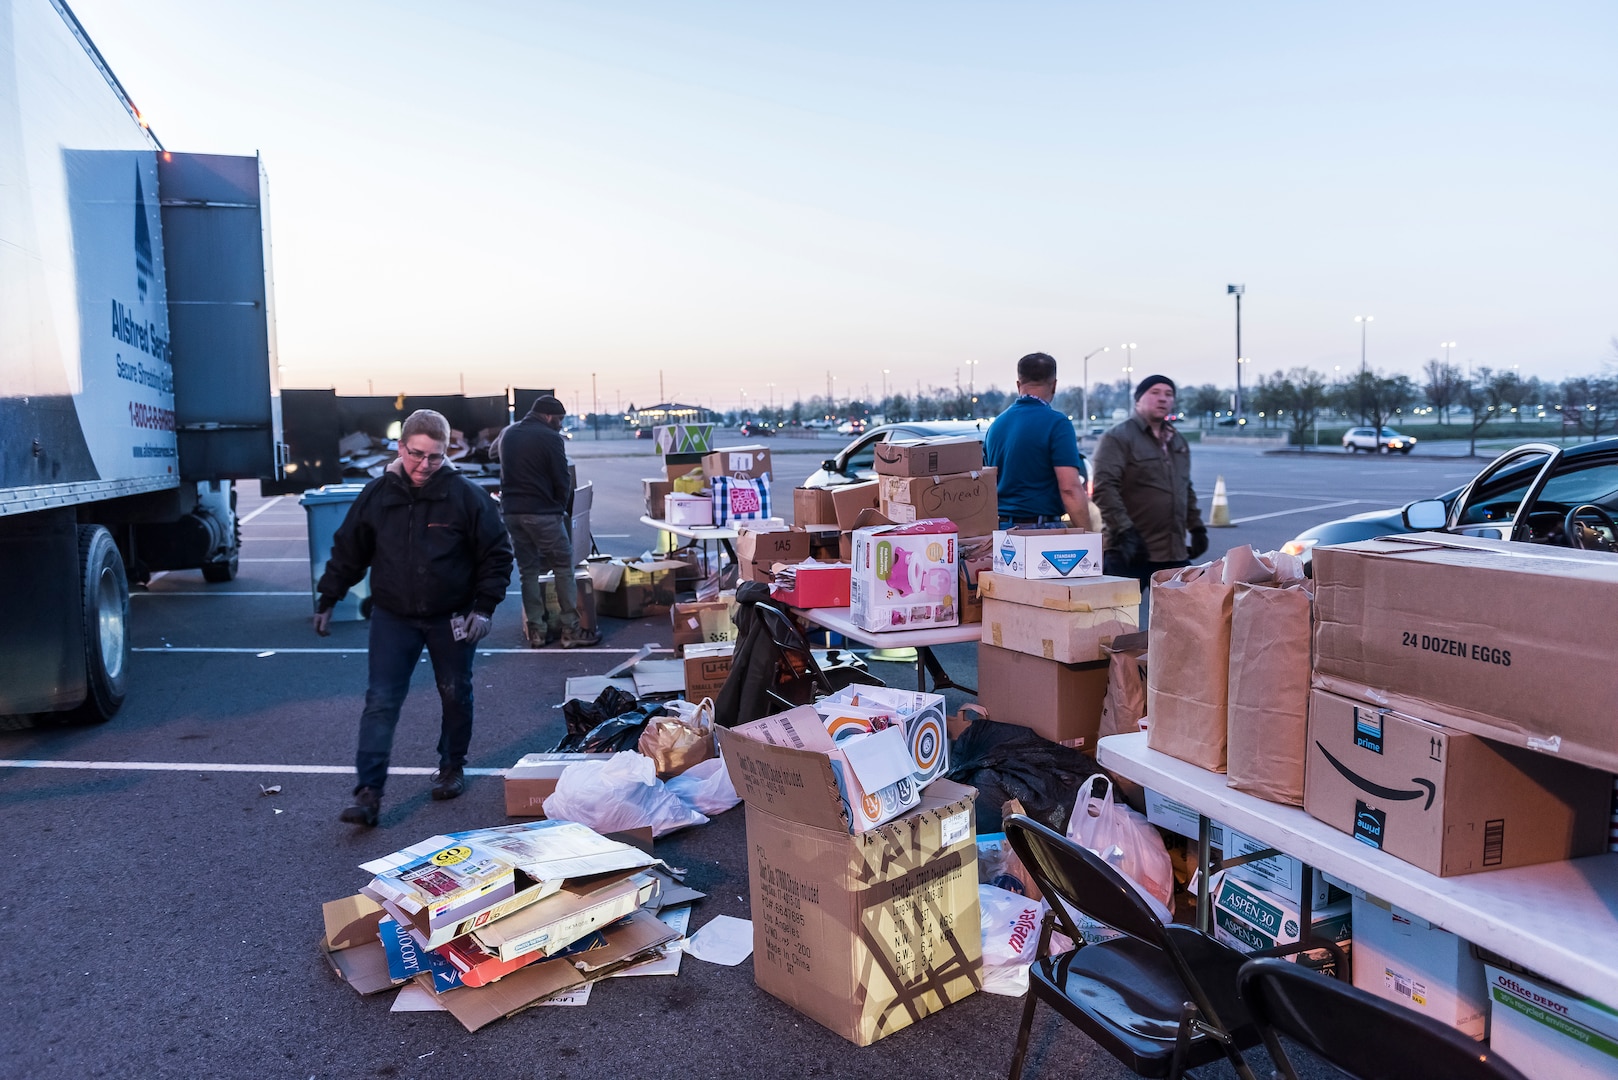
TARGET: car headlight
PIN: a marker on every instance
(1299, 547)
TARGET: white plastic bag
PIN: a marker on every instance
(1128, 843)
(619, 794)
(705, 788)
(1010, 939)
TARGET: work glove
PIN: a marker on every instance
(474, 626)
(1199, 543)
(323, 623)
(1131, 548)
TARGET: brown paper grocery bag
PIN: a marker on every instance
(1269, 690)
(1125, 703)
(1188, 678)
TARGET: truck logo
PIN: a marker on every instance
(1427, 787)
(143, 241)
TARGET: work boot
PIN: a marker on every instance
(580, 639)
(366, 809)
(538, 636)
(448, 783)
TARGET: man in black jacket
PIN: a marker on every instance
(440, 561)
(535, 492)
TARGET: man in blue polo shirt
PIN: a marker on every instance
(1037, 455)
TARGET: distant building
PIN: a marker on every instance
(669, 413)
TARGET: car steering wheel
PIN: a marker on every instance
(1578, 532)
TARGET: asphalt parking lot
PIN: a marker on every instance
(164, 913)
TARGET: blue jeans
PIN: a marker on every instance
(1036, 523)
(396, 645)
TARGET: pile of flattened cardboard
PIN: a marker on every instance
(486, 923)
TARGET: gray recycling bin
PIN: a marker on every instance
(327, 507)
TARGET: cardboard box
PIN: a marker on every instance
(740, 500)
(817, 585)
(678, 465)
(977, 557)
(929, 457)
(352, 945)
(1547, 1031)
(1178, 818)
(868, 934)
(406, 959)
(905, 576)
(1085, 594)
(1280, 875)
(1062, 702)
(1069, 637)
(1449, 802)
(813, 506)
(635, 589)
(967, 499)
(584, 599)
(1252, 919)
(559, 920)
(683, 438)
(920, 713)
(1047, 553)
(737, 462)
(688, 509)
(1481, 635)
(707, 666)
(757, 551)
(654, 489)
(530, 782)
(849, 499)
(1404, 959)
(700, 621)
(823, 541)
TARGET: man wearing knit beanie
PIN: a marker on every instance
(1142, 471)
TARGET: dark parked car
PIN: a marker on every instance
(1536, 493)
(857, 461)
(754, 429)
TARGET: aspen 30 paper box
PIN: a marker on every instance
(1251, 918)
(905, 577)
(1545, 1030)
(1047, 553)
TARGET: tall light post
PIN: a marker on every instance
(1129, 359)
(1237, 291)
(972, 386)
(595, 406)
(885, 373)
(1084, 391)
(1365, 321)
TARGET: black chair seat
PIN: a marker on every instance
(1126, 995)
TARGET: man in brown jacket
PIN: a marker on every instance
(1142, 471)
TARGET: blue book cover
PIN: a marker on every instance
(407, 959)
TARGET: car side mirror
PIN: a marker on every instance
(1426, 514)
(830, 465)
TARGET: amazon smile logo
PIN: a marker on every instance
(1426, 787)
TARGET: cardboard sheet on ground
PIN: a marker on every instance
(724, 940)
(413, 997)
(589, 687)
(659, 677)
(678, 920)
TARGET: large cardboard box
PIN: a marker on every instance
(1488, 636)
(530, 782)
(699, 621)
(929, 457)
(1084, 594)
(707, 666)
(584, 599)
(758, 550)
(905, 577)
(1047, 553)
(677, 465)
(1449, 802)
(849, 499)
(654, 489)
(1248, 917)
(683, 438)
(864, 934)
(977, 556)
(1407, 960)
(1069, 637)
(967, 499)
(1547, 1031)
(737, 462)
(632, 590)
(921, 714)
(1062, 702)
(1281, 875)
(813, 506)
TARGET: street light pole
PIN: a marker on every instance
(972, 386)
(1129, 358)
(1237, 291)
(1085, 389)
(1365, 322)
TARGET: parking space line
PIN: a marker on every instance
(287, 559)
(245, 518)
(332, 651)
(1299, 510)
(248, 592)
(223, 767)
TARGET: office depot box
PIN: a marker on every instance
(740, 500)
(683, 438)
(849, 499)
(1404, 959)
(698, 621)
(967, 499)
(816, 585)
(1047, 553)
(1248, 917)
(707, 666)
(813, 506)
(688, 509)
(1062, 702)
(929, 457)
(1449, 802)
(1058, 633)
(1488, 636)
(530, 782)
(864, 934)
(737, 462)
(758, 550)
(654, 489)
(1550, 1032)
(905, 577)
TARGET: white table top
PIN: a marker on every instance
(1559, 919)
(692, 532)
(840, 621)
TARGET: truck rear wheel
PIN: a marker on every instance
(106, 625)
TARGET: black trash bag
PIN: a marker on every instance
(615, 735)
(585, 716)
(1004, 761)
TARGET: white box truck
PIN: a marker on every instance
(137, 363)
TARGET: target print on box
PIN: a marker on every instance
(841, 727)
(929, 744)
